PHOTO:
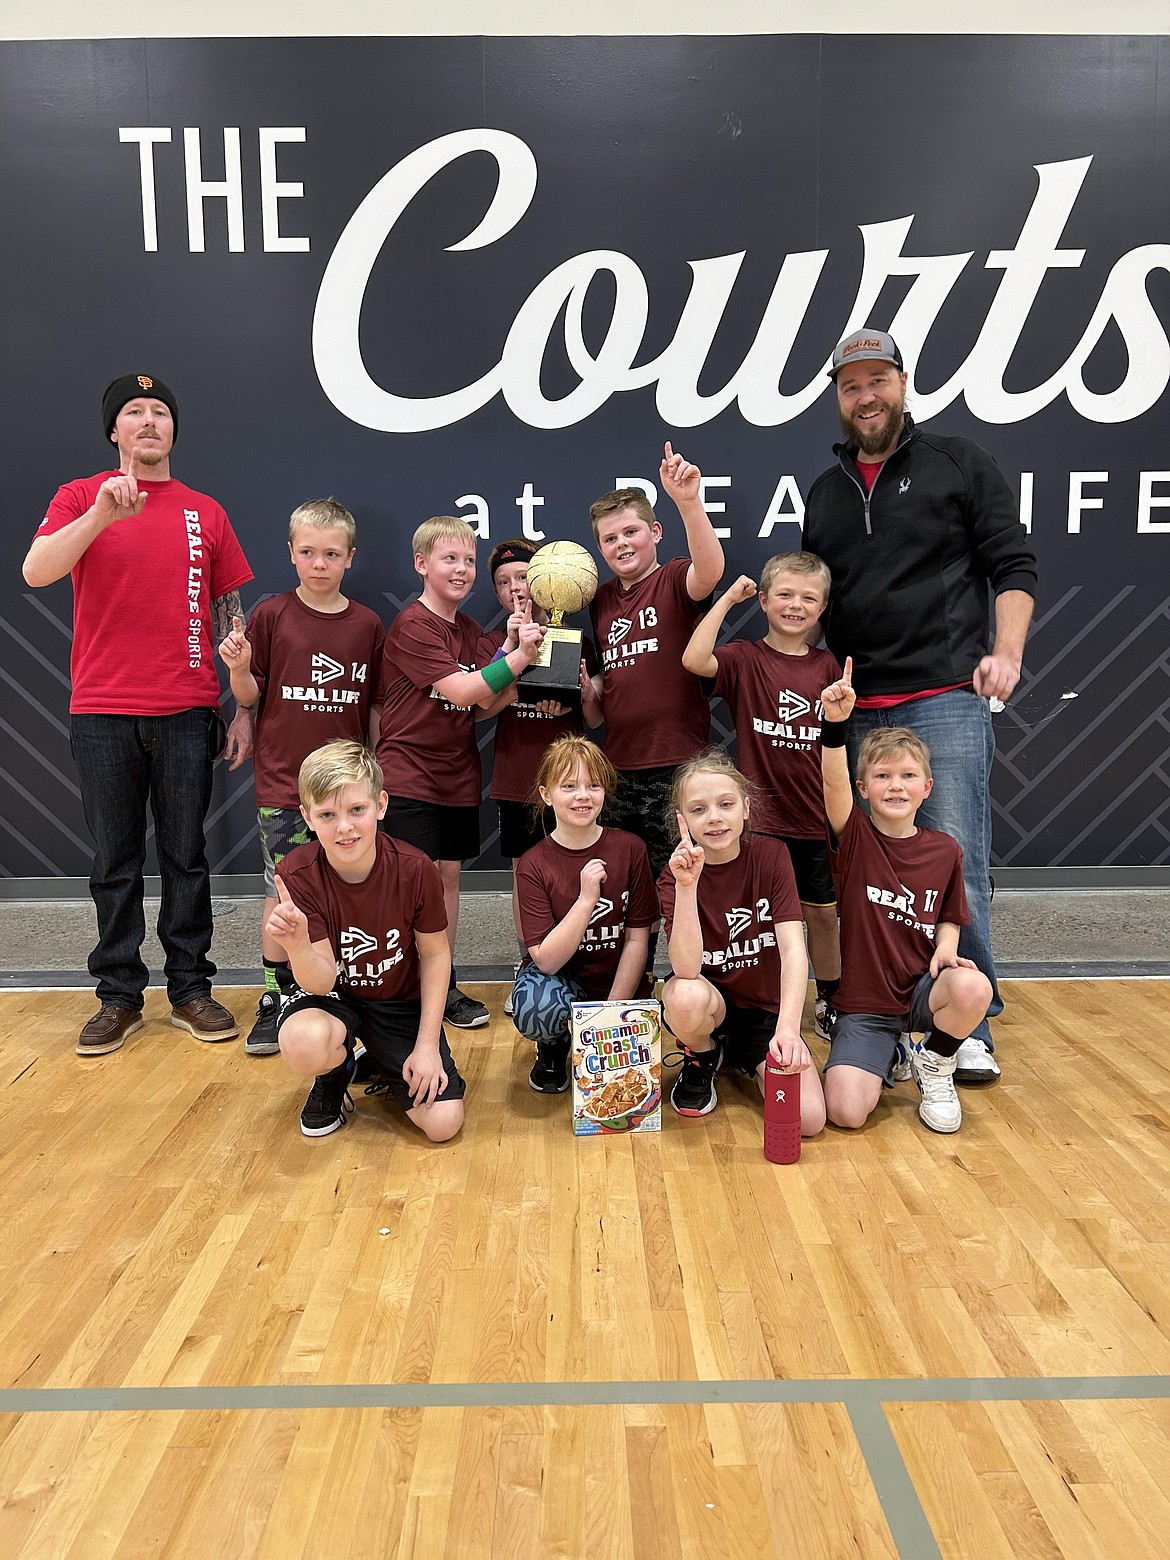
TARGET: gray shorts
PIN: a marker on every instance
(281, 829)
(867, 1040)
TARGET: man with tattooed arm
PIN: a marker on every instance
(144, 708)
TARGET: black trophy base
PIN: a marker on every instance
(557, 674)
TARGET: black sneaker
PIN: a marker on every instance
(694, 1088)
(464, 1012)
(262, 1039)
(550, 1070)
(324, 1110)
(823, 1019)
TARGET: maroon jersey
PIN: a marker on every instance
(523, 732)
(370, 926)
(426, 746)
(775, 702)
(656, 713)
(316, 672)
(740, 903)
(892, 894)
(548, 885)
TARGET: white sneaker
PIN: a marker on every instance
(974, 1063)
(508, 999)
(901, 1072)
(939, 1108)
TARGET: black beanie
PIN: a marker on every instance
(128, 388)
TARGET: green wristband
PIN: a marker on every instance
(497, 675)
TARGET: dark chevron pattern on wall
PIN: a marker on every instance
(1082, 772)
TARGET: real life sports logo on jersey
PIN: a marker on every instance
(786, 730)
(900, 906)
(617, 652)
(452, 709)
(324, 669)
(601, 931)
(740, 950)
(357, 968)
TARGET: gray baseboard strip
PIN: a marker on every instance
(499, 881)
(1136, 969)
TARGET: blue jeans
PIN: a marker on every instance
(122, 761)
(956, 727)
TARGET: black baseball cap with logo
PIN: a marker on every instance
(865, 346)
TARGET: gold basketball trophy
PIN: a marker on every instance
(562, 578)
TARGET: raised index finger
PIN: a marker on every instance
(282, 893)
(668, 451)
(134, 468)
(684, 833)
(847, 674)
(237, 625)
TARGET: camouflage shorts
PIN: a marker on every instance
(642, 807)
(281, 829)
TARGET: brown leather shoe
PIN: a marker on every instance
(206, 1019)
(107, 1030)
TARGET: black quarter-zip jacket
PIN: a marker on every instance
(912, 559)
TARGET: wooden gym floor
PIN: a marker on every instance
(218, 1338)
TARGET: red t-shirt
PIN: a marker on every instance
(887, 701)
(775, 701)
(867, 470)
(740, 903)
(142, 594)
(370, 926)
(427, 747)
(656, 713)
(548, 885)
(892, 894)
(316, 672)
(523, 732)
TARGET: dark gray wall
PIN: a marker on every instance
(666, 154)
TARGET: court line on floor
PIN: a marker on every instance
(901, 1506)
(864, 1401)
(568, 1394)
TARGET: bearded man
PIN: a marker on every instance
(920, 530)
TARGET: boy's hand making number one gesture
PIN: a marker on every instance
(680, 480)
(236, 651)
(838, 699)
(287, 924)
(687, 861)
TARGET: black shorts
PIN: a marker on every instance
(388, 1030)
(810, 868)
(744, 1034)
(442, 833)
(642, 807)
(518, 833)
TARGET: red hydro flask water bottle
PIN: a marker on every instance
(781, 1115)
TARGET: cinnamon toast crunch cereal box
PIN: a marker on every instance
(616, 1061)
